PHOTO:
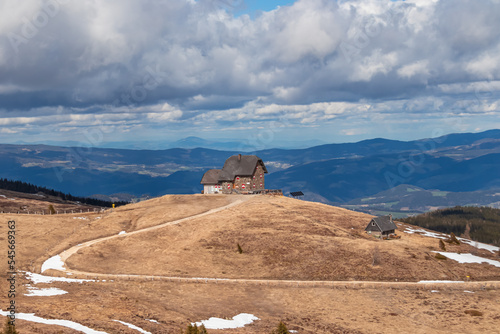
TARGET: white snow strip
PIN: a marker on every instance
(54, 262)
(133, 327)
(37, 278)
(441, 282)
(468, 291)
(3, 196)
(152, 320)
(480, 245)
(238, 321)
(45, 292)
(434, 290)
(82, 218)
(293, 331)
(65, 323)
(425, 233)
(122, 232)
(443, 236)
(469, 258)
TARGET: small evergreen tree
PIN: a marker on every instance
(195, 330)
(202, 330)
(240, 250)
(281, 329)
(9, 328)
(52, 211)
(441, 245)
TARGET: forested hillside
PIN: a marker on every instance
(28, 188)
(477, 223)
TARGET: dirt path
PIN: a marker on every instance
(276, 283)
(67, 253)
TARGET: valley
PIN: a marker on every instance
(457, 169)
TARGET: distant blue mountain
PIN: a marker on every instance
(334, 173)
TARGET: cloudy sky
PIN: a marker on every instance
(103, 71)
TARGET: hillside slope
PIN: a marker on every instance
(281, 238)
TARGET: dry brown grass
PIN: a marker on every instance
(281, 238)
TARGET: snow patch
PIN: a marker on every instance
(469, 258)
(65, 323)
(133, 327)
(480, 245)
(54, 262)
(37, 278)
(122, 232)
(434, 290)
(469, 291)
(152, 320)
(82, 218)
(45, 292)
(238, 321)
(425, 233)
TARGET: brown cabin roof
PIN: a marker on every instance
(240, 165)
(211, 177)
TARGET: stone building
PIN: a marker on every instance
(241, 173)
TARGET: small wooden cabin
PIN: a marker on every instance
(382, 225)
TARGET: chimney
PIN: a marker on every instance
(239, 157)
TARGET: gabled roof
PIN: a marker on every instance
(240, 165)
(211, 177)
(384, 223)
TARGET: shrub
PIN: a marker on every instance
(375, 256)
(453, 239)
(9, 328)
(281, 329)
(52, 211)
(440, 256)
(240, 250)
(195, 329)
(441, 245)
(474, 313)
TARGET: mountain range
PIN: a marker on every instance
(365, 175)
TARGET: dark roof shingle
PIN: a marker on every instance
(211, 177)
(243, 165)
(385, 223)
